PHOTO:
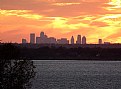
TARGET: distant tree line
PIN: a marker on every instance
(15, 73)
(71, 53)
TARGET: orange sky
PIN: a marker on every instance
(61, 18)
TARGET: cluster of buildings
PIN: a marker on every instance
(44, 39)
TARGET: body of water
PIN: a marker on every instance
(74, 74)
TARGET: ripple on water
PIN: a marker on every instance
(77, 75)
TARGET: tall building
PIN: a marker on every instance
(42, 34)
(78, 39)
(83, 40)
(43, 38)
(46, 39)
(32, 38)
(72, 40)
(24, 41)
(38, 40)
(100, 41)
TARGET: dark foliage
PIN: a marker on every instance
(72, 53)
(14, 73)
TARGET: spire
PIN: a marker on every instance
(78, 39)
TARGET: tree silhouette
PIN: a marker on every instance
(14, 73)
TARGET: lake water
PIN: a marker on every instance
(68, 74)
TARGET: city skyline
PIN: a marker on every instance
(61, 18)
(45, 39)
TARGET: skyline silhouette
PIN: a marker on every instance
(44, 39)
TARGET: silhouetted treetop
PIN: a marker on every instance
(14, 73)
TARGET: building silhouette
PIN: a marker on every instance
(32, 38)
(100, 41)
(63, 41)
(83, 40)
(24, 41)
(38, 40)
(78, 39)
(44, 39)
(52, 40)
(42, 34)
(72, 40)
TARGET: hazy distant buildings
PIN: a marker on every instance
(38, 40)
(83, 40)
(44, 39)
(100, 41)
(42, 34)
(52, 40)
(32, 38)
(78, 39)
(72, 40)
(63, 41)
(107, 43)
(24, 41)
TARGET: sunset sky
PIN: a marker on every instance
(61, 18)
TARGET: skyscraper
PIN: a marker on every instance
(24, 41)
(38, 40)
(32, 38)
(83, 40)
(100, 41)
(42, 34)
(72, 40)
(46, 39)
(78, 39)
(43, 38)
